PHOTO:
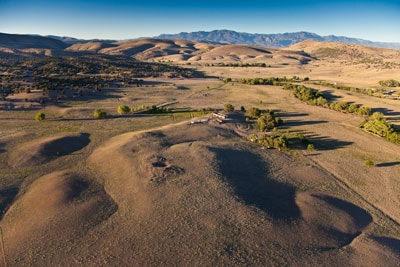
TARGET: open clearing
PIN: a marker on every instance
(154, 189)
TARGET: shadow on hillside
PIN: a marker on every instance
(328, 94)
(327, 143)
(292, 123)
(391, 114)
(386, 111)
(283, 114)
(392, 243)
(7, 196)
(388, 164)
(248, 176)
(2, 148)
(66, 145)
(360, 217)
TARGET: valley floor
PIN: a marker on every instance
(144, 189)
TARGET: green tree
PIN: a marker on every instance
(253, 112)
(378, 124)
(364, 111)
(266, 121)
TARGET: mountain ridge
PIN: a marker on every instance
(21, 41)
(278, 40)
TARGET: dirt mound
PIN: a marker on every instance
(58, 204)
(197, 192)
(201, 189)
(43, 150)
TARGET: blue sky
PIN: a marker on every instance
(122, 19)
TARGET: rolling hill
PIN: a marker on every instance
(207, 52)
(193, 51)
(20, 41)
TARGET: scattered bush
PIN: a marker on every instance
(229, 108)
(139, 108)
(270, 141)
(253, 112)
(266, 121)
(227, 80)
(40, 116)
(98, 114)
(310, 147)
(123, 109)
(369, 163)
(389, 83)
(364, 111)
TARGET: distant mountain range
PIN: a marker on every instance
(279, 40)
(72, 40)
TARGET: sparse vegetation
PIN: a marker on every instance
(88, 73)
(389, 83)
(270, 141)
(377, 92)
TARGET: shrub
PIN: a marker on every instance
(98, 114)
(310, 147)
(369, 163)
(40, 116)
(229, 108)
(364, 111)
(227, 80)
(253, 112)
(389, 83)
(123, 109)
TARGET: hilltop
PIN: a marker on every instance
(22, 41)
